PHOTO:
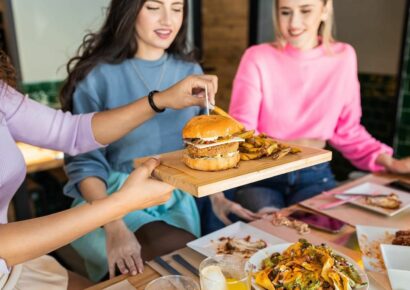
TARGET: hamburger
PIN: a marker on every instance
(211, 144)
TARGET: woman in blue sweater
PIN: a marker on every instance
(140, 49)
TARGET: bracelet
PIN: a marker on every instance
(152, 104)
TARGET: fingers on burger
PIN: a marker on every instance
(211, 144)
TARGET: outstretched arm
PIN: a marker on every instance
(25, 240)
(77, 134)
(111, 125)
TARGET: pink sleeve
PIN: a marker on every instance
(36, 124)
(350, 137)
(246, 96)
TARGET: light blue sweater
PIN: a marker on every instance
(109, 86)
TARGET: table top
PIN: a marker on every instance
(39, 159)
(344, 241)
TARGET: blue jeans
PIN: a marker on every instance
(209, 221)
(279, 191)
(286, 189)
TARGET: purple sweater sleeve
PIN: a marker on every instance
(39, 125)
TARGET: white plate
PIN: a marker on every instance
(399, 279)
(369, 187)
(396, 257)
(370, 238)
(397, 261)
(207, 245)
(255, 262)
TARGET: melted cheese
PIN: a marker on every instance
(201, 146)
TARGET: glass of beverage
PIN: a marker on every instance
(224, 272)
(173, 282)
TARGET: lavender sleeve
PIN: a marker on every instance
(4, 269)
(39, 125)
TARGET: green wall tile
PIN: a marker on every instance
(44, 92)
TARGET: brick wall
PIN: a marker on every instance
(225, 38)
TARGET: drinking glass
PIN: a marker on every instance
(173, 282)
(224, 272)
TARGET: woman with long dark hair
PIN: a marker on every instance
(141, 48)
(23, 263)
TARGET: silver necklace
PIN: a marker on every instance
(140, 76)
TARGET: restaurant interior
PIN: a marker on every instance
(40, 36)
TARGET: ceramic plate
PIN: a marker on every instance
(255, 262)
(369, 187)
(207, 245)
(396, 259)
(370, 238)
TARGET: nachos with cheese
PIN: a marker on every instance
(303, 266)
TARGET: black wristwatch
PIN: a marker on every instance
(152, 104)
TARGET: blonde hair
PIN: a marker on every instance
(325, 31)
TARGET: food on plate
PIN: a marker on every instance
(279, 219)
(402, 238)
(392, 201)
(211, 144)
(241, 246)
(306, 266)
(371, 249)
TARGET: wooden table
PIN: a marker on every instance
(345, 242)
(37, 159)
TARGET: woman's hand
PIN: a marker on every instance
(123, 249)
(222, 207)
(141, 191)
(393, 165)
(188, 92)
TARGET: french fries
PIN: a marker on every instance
(281, 153)
(246, 134)
(250, 156)
(259, 146)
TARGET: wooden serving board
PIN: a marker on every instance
(201, 183)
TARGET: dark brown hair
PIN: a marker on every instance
(7, 71)
(114, 43)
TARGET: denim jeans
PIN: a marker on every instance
(279, 191)
(286, 189)
(209, 221)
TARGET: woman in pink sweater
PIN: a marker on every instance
(303, 88)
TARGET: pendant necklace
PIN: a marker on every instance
(140, 75)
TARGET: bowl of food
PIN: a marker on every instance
(303, 265)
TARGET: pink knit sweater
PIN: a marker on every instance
(291, 94)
